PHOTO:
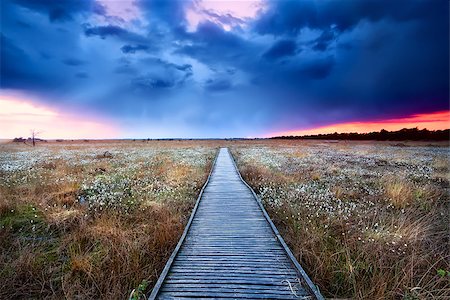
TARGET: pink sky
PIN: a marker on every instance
(243, 10)
(18, 116)
(124, 9)
(431, 121)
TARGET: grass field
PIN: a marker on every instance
(366, 220)
(95, 220)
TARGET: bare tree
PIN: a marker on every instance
(34, 134)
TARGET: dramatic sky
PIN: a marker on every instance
(180, 68)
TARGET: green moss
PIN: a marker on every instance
(6, 271)
(48, 255)
(139, 292)
(24, 219)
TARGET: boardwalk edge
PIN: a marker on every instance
(302, 274)
(168, 265)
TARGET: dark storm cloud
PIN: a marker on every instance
(73, 62)
(212, 45)
(119, 33)
(170, 13)
(324, 40)
(298, 63)
(9, 54)
(212, 34)
(163, 75)
(104, 31)
(281, 49)
(317, 69)
(82, 75)
(289, 17)
(61, 10)
(133, 49)
(33, 57)
(218, 84)
(186, 67)
(125, 68)
(372, 70)
(152, 82)
(15, 70)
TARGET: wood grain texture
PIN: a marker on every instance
(230, 248)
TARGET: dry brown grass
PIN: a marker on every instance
(390, 249)
(398, 192)
(441, 166)
(52, 246)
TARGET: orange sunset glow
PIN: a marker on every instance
(18, 116)
(431, 121)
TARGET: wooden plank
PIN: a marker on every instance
(240, 295)
(283, 285)
(235, 280)
(241, 272)
(266, 290)
(229, 264)
(227, 260)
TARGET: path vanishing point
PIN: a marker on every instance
(230, 247)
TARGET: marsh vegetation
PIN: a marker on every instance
(95, 220)
(367, 220)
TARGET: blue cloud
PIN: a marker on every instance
(218, 84)
(281, 49)
(73, 62)
(152, 82)
(104, 31)
(9, 54)
(61, 10)
(82, 75)
(133, 49)
(324, 40)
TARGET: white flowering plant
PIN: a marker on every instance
(108, 193)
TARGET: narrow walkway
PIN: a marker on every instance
(230, 248)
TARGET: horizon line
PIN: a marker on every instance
(226, 138)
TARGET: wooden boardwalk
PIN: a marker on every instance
(230, 247)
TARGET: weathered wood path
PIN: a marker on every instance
(230, 247)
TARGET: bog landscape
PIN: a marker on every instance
(224, 149)
(100, 219)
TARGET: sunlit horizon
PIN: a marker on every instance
(19, 116)
(431, 121)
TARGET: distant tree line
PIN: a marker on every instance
(405, 134)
